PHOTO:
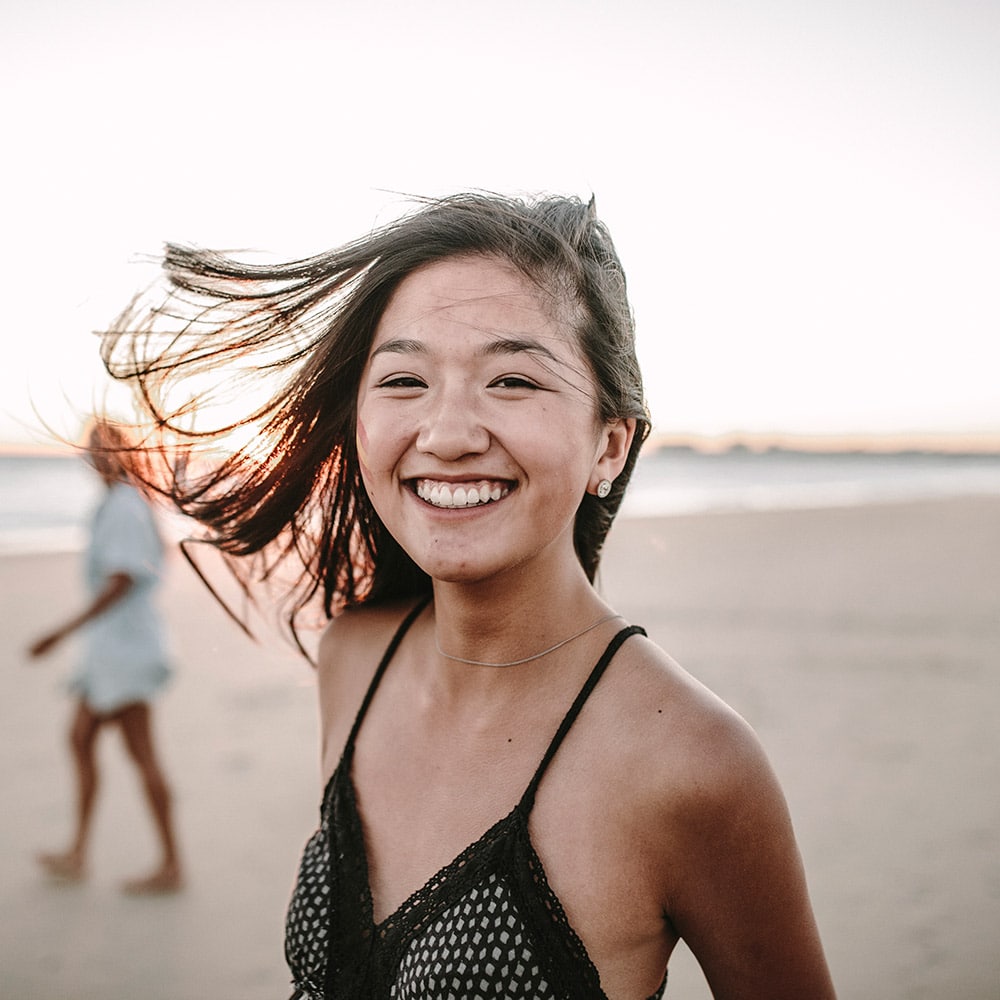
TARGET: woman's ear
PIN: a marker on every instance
(617, 440)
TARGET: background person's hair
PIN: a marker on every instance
(110, 446)
(295, 492)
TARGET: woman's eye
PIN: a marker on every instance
(402, 382)
(513, 382)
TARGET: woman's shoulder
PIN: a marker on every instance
(360, 630)
(691, 779)
(686, 738)
(716, 837)
(124, 493)
(350, 650)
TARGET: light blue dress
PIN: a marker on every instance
(124, 657)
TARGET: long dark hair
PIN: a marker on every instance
(294, 494)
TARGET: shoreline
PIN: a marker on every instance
(70, 540)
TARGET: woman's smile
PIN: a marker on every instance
(476, 493)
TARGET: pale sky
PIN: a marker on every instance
(806, 195)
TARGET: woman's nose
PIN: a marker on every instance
(453, 426)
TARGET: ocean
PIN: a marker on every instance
(45, 501)
(685, 481)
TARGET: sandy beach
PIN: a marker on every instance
(861, 643)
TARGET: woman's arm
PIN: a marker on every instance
(742, 904)
(116, 587)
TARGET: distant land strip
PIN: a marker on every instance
(986, 443)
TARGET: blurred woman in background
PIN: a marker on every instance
(124, 663)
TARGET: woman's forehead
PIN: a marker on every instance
(475, 292)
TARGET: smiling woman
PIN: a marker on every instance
(481, 420)
(524, 796)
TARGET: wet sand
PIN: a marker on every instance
(861, 644)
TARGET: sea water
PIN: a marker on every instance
(45, 501)
(685, 481)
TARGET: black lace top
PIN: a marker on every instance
(486, 926)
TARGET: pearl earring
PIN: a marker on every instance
(603, 488)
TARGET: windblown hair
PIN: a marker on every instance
(294, 494)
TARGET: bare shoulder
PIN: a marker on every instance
(349, 653)
(708, 771)
(726, 863)
(694, 742)
(357, 629)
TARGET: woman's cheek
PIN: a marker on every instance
(361, 440)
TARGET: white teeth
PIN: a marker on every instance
(469, 495)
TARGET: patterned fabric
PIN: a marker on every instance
(474, 948)
(486, 927)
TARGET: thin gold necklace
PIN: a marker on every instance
(527, 659)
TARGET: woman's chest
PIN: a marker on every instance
(422, 804)
(418, 815)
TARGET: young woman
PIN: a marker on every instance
(525, 797)
(124, 661)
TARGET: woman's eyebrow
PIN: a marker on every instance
(516, 345)
(400, 345)
(496, 347)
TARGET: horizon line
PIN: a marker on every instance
(875, 442)
(945, 442)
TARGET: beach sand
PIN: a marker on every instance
(861, 644)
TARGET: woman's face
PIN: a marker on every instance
(102, 457)
(477, 425)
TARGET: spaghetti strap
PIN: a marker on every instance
(528, 799)
(390, 651)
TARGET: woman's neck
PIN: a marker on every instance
(515, 622)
